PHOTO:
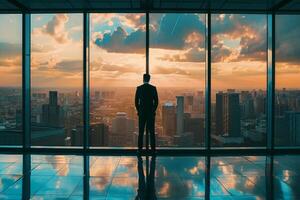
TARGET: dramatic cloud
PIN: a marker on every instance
(10, 55)
(55, 28)
(9, 50)
(70, 66)
(134, 21)
(177, 31)
(287, 39)
(114, 69)
(248, 30)
(191, 55)
(121, 42)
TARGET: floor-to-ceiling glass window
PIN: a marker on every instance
(287, 69)
(117, 65)
(238, 77)
(10, 79)
(177, 67)
(56, 80)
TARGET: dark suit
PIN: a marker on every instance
(146, 102)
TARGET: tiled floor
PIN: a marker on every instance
(61, 177)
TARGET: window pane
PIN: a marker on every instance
(287, 97)
(11, 178)
(238, 80)
(177, 65)
(117, 65)
(56, 79)
(11, 79)
(286, 177)
(238, 177)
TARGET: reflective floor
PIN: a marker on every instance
(111, 177)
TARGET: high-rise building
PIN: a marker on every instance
(169, 119)
(259, 104)
(122, 130)
(231, 115)
(194, 125)
(179, 115)
(228, 120)
(188, 103)
(219, 113)
(52, 113)
(98, 135)
(293, 126)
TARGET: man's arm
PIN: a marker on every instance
(155, 100)
(137, 100)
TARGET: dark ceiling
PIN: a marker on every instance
(255, 6)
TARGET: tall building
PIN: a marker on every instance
(228, 120)
(52, 113)
(179, 115)
(98, 135)
(188, 103)
(194, 125)
(219, 113)
(293, 127)
(122, 132)
(231, 115)
(259, 104)
(169, 119)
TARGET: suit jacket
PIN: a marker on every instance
(146, 99)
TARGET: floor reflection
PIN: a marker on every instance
(130, 177)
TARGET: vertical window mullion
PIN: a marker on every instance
(26, 104)
(26, 40)
(207, 135)
(270, 80)
(208, 81)
(86, 80)
(270, 103)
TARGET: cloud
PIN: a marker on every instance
(120, 41)
(70, 66)
(62, 66)
(134, 21)
(250, 30)
(191, 55)
(287, 39)
(169, 70)
(100, 66)
(55, 28)
(10, 54)
(177, 31)
(10, 50)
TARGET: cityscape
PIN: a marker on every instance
(238, 118)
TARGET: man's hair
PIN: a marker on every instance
(146, 77)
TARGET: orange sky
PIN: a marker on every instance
(177, 54)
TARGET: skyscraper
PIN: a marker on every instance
(231, 115)
(228, 120)
(219, 113)
(293, 126)
(122, 130)
(52, 112)
(169, 119)
(179, 115)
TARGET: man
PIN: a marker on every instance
(146, 102)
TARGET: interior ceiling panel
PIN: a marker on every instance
(150, 5)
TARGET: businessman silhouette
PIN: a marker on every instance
(146, 102)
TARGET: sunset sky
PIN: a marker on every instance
(177, 50)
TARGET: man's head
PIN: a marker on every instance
(146, 78)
